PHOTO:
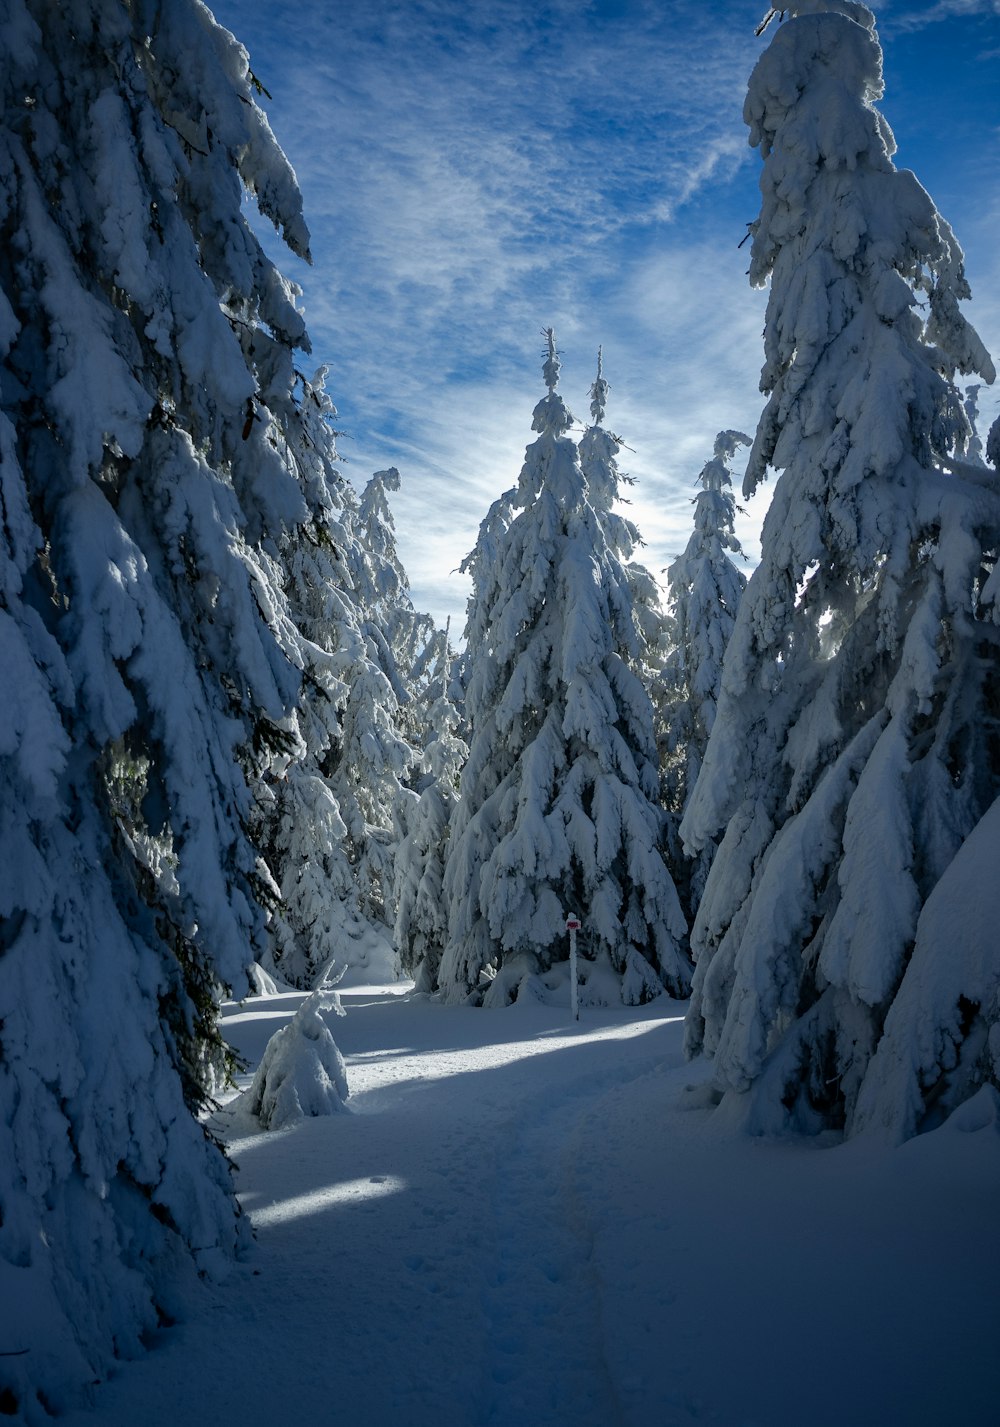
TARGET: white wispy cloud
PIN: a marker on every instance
(919, 18)
(475, 171)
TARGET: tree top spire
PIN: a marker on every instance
(727, 442)
(599, 391)
(550, 369)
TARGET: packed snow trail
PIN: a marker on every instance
(520, 1226)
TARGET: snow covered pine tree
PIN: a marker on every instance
(559, 798)
(846, 969)
(308, 806)
(421, 911)
(145, 342)
(599, 449)
(705, 589)
(402, 633)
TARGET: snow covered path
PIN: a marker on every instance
(518, 1225)
(450, 1239)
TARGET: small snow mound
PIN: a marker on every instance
(370, 960)
(980, 1112)
(600, 983)
(505, 987)
(520, 982)
(699, 1095)
(640, 982)
(301, 1072)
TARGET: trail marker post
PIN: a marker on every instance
(573, 926)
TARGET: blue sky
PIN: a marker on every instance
(475, 172)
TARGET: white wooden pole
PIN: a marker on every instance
(573, 926)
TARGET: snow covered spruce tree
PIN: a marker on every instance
(374, 761)
(421, 914)
(145, 344)
(845, 975)
(974, 447)
(402, 633)
(705, 589)
(599, 450)
(993, 443)
(483, 568)
(558, 807)
(330, 811)
(320, 917)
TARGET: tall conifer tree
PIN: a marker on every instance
(559, 806)
(705, 589)
(321, 917)
(151, 667)
(853, 761)
(421, 912)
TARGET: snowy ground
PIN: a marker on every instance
(519, 1224)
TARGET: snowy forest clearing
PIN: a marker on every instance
(522, 1223)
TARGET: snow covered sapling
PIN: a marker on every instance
(559, 795)
(301, 1073)
(853, 760)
